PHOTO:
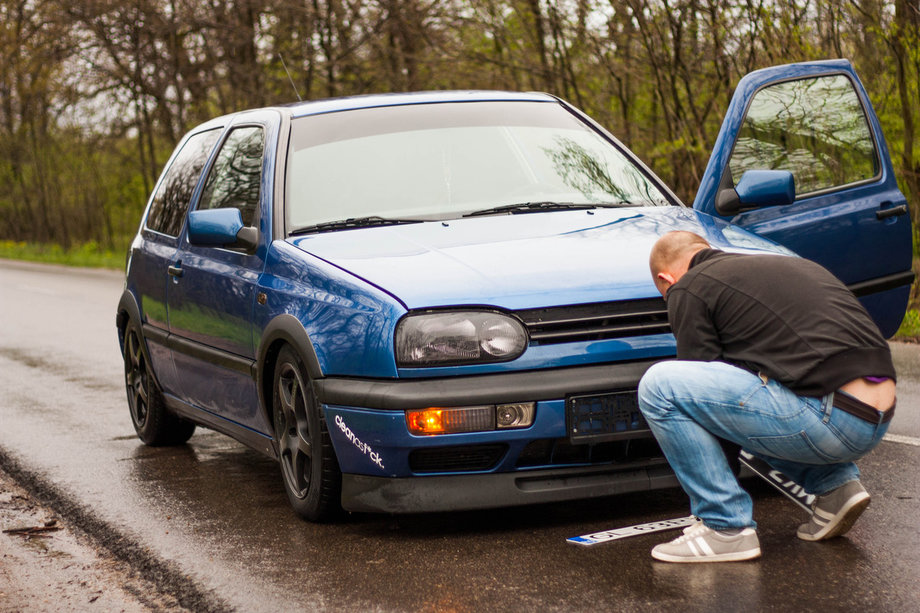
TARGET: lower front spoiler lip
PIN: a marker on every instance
(365, 493)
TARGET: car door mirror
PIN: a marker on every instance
(221, 228)
(757, 188)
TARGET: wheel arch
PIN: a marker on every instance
(283, 330)
(128, 310)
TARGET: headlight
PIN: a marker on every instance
(472, 337)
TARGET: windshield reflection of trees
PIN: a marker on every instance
(583, 170)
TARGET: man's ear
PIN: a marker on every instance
(664, 280)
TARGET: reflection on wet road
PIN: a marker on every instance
(219, 513)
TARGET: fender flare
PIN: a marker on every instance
(129, 310)
(289, 329)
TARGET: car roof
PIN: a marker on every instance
(349, 103)
(302, 109)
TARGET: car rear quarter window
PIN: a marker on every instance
(815, 128)
(234, 181)
(171, 200)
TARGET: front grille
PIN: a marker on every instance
(560, 451)
(596, 321)
(457, 458)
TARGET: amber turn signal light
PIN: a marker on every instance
(439, 420)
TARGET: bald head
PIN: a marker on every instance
(671, 255)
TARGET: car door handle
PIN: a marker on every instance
(175, 271)
(892, 212)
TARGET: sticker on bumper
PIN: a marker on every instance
(622, 533)
(358, 443)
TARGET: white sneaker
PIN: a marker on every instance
(834, 513)
(699, 543)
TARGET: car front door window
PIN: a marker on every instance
(815, 128)
(235, 179)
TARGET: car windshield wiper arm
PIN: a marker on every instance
(527, 207)
(531, 207)
(352, 222)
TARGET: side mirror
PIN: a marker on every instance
(757, 188)
(221, 228)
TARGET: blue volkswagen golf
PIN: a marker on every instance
(441, 301)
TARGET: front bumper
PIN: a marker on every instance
(531, 385)
(387, 469)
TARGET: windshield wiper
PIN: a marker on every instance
(352, 222)
(531, 207)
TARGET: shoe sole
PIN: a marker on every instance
(737, 556)
(845, 518)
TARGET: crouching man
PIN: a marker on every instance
(773, 354)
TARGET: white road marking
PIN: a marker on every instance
(900, 438)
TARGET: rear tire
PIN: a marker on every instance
(309, 468)
(154, 423)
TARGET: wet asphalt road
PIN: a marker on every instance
(215, 512)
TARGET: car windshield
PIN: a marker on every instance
(445, 160)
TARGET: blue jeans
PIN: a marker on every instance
(689, 404)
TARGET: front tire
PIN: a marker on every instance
(154, 423)
(309, 467)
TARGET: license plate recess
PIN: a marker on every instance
(598, 418)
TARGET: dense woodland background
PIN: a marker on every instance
(94, 94)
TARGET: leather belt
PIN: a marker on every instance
(866, 412)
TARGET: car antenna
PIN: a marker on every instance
(283, 65)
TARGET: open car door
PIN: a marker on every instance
(829, 192)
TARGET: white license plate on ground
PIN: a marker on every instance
(622, 533)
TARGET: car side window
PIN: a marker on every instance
(815, 128)
(235, 179)
(171, 200)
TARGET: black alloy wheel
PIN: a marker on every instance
(154, 423)
(137, 380)
(308, 465)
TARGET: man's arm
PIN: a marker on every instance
(692, 325)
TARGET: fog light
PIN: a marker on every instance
(437, 420)
(517, 415)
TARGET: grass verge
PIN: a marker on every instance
(90, 254)
(910, 326)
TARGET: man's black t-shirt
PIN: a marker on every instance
(784, 316)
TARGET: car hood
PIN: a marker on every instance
(520, 261)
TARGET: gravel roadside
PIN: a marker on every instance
(46, 565)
